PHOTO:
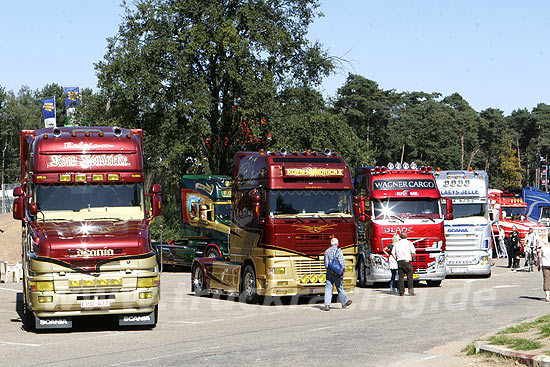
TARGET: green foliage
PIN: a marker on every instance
(515, 343)
(201, 77)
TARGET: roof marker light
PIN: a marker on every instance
(390, 165)
(398, 165)
(414, 165)
(405, 165)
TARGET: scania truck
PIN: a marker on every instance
(468, 235)
(205, 215)
(85, 242)
(400, 199)
(286, 207)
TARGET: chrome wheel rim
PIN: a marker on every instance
(197, 279)
(249, 284)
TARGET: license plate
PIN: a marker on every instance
(458, 270)
(316, 290)
(416, 276)
(95, 303)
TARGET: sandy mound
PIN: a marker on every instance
(10, 239)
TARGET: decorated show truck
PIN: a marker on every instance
(397, 199)
(85, 216)
(286, 207)
(510, 210)
(468, 235)
(205, 214)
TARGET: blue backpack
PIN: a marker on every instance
(335, 266)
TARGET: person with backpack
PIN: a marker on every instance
(335, 265)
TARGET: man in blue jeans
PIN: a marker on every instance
(334, 279)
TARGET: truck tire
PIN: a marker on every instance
(433, 283)
(28, 318)
(212, 252)
(197, 279)
(248, 285)
(362, 273)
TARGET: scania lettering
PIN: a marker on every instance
(399, 200)
(204, 220)
(468, 234)
(86, 249)
(286, 207)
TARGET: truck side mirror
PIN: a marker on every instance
(449, 214)
(18, 208)
(18, 191)
(256, 199)
(157, 204)
(33, 209)
(156, 189)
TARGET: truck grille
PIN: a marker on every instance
(312, 243)
(304, 267)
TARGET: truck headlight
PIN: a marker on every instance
(441, 262)
(148, 282)
(42, 286)
(279, 271)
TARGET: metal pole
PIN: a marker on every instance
(161, 262)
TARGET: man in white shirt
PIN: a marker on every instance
(404, 252)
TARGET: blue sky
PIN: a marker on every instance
(494, 53)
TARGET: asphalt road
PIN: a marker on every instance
(378, 329)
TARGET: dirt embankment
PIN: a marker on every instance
(10, 239)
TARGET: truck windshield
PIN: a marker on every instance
(223, 212)
(465, 210)
(514, 213)
(545, 213)
(91, 201)
(406, 208)
(309, 203)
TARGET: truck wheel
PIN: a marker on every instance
(156, 316)
(362, 273)
(28, 318)
(213, 252)
(248, 285)
(433, 283)
(198, 281)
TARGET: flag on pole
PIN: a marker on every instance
(72, 99)
(48, 111)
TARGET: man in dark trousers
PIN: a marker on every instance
(513, 247)
(404, 252)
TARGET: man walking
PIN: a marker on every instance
(531, 245)
(514, 246)
(405, 253)
(334, 254)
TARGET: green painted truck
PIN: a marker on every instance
(205, 216)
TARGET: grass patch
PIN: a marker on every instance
(515, 343)
(469, 350)
(547, 352)
(521, 328)
(544, 331)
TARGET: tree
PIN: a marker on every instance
(201, 77)
(303, 121)
(367, 110)
(509, 168)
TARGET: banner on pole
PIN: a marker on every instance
(72, 99)
(48, 112)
